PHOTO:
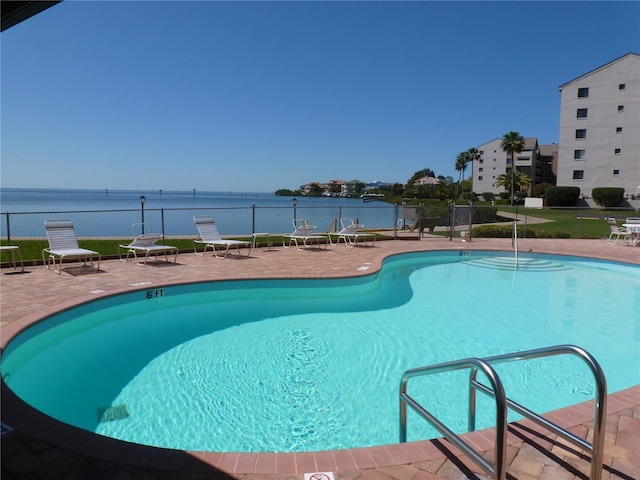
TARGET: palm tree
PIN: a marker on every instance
(512, 143)
(461, 165)
(472, 155)
(514, 181)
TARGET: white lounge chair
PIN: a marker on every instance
(304, 232)
(63, 244)
(210, 237)
(616, 231)
(350, 233)
(146, 243)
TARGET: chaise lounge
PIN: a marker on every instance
(63, 244)
(146, 244)
(210, 237)
(303, 232)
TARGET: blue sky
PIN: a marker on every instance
(256, 96)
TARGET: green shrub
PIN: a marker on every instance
(488, 196)
(506, 231)
(608, 196)
(485, 215)
(539, 189)
(504, 195)
(561, 196)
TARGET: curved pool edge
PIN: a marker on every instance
(29, 421)
(25, 419)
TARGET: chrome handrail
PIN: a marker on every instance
(515, 240)
(498, 469)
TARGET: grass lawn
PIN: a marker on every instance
(587, 223)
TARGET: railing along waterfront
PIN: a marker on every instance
(237, 221)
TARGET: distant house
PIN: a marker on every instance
(377, 184)
(426, 181)
(312, 187)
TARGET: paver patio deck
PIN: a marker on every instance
(42, 448)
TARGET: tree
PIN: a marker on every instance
(461, 165)
(472, 155)
(512, 143)
(462, 160)
(514, 181)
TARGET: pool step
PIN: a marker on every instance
(509, 263)
(109, 414)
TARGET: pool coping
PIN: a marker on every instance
(28, 420)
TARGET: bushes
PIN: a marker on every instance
(485, 215)
(608, 196)
(488, 196)
(506, 231)
(540, 188)
(561, 196)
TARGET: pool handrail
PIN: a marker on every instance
(498, 468)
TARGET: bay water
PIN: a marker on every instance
(113, 212)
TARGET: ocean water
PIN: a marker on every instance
(235, 212)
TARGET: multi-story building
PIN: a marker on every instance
(494, 161)
(600, 128)
(547, 166)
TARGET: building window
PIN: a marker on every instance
(480, 177)
(618, 129)
(581, 133)
(480, 169)
(582, 113)
(481, 160)
(616, 172)
(583, 92)
(621, 108)
(578, 174)
(617, 151)
(621, 86)
(481, 152)
(578, 154)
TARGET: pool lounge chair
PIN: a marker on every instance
(303, 232)
(63, 244)
(210, 237)
(146, 243)
(616, 231)
(350, 233)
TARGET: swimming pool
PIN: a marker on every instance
(183, 342)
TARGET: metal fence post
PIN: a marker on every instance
(452, 215)
(253, 218)
(395, 221)
(580, 225)
(8, 230)
(162, 220)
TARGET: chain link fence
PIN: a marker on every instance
(105, 229)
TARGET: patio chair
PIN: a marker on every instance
(350, 233)
(210, 237)
(616, 231)
(303, 232)
(63, 244)
(146, 243)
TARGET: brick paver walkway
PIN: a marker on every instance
(39, 448)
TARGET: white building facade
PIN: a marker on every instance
(494, 161)
(599, 143)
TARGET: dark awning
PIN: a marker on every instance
(15, 12)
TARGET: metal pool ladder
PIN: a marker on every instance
(498, 468)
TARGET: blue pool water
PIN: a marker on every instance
(311, 365)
